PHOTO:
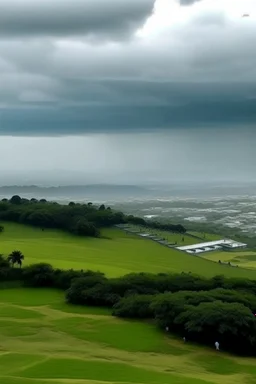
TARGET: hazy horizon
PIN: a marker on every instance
(168, 157)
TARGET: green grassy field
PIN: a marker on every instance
(45, 341)
(206, 236)
(175, 238)
(244, 259)
(116, 255)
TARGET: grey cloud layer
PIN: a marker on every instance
(136, 107)
(52, 81)
(63, 18)
(196, 154)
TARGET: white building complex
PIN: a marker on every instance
(212, 246)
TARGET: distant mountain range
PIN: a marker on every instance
(116, 192)
(104, 191)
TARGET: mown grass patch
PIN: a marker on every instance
(249, 257)
(18, 313)
(14, 328)
(12, 362)
(77, 348)
(102, 371)
(244, 259)
(222, 365)
(206, 236)
(19, 380)
(31, 297)
(83, 310)
(124, 335)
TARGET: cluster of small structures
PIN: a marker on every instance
(223, 245)
(195, 249)
(155, 238)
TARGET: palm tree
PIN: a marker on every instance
(16, 257)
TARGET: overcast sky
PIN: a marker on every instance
(127, 89)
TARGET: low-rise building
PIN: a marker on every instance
(211, 246)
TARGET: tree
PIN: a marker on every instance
(41, 218)
(166, 307)
(16, 257)
(1, 228)
(134, 306)
(39, 275)
(136, 220)
(232, 324)
(75, 294)
(84, 228)
(15, 200)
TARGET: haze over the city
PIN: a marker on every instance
(125, 91)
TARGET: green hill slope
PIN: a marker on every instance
(117, 254)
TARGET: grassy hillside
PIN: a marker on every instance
(43, 341)
(116, 255)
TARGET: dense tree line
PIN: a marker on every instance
(156, 225)
(79, 219)
(202, 310)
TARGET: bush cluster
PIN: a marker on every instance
(203, 310)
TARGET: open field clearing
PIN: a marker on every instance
(45, 341)
(244, 259)
(116, 255)
(176, 238)
(206, 236)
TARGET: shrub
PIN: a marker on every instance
(39, 275)
(99, 295)
(137, 306)
(63, 279)
(134, 283)
(74, 294)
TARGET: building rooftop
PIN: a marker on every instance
(212, 245)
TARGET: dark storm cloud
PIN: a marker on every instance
(78, 17)
(136, 107)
